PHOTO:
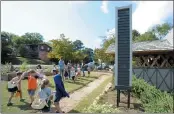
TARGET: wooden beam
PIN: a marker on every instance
(165, 61)
(155, 61)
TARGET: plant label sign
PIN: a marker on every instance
(123, 47)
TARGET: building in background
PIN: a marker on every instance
(37, 51)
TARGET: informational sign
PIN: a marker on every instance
(123, 46)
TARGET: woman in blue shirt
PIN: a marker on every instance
(61, 67)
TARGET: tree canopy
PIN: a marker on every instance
(70, 51)
(13, 45)
(78, 45)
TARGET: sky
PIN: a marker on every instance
(83, 20)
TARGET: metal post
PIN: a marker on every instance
(128, 99)
(118, 97)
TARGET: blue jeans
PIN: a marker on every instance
(83, 70)
(62, 72)
(69, 71)
(31, 92)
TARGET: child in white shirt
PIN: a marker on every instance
(73, 73)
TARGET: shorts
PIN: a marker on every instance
(73, 77)
(61, 70)
(31, 92)
(88, 72)
(13, 90)
(66, 74)
(78, 73)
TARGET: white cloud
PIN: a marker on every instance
(104, 6)
(170, 37)
(110, 33)
(148, 14)
(47, 18)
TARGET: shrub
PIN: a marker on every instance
(153, 99)
(22, 50)
(164, 103)
(23, 67)
(101, 108)
(5, 68)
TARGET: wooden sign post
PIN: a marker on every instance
(123, 51)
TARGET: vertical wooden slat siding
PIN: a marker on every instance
(123, 47)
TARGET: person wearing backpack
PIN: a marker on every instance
(83, 69)
(69, 69)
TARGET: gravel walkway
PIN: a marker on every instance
(67, 104)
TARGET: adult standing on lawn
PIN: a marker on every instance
(61, 67)
(89, 70)
(69, 68)
(83, 68)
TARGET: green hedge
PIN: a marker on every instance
(153, 100)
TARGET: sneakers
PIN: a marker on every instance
(59, 112)
(9, 104)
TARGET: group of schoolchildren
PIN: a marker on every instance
(38, 89)
(40, 94)
(72, 71)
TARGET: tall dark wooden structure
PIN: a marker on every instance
(123, 46)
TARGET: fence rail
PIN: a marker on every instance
(162, 78)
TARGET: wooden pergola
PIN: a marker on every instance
(158, 53)
(157, 58)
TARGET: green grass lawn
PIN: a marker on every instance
(20, 60)
(87, 101)
(24, 106)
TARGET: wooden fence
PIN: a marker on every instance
(162, 78)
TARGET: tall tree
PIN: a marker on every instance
(90, 55)
(147, 36)
(6, 44)
(32, 38)
(99, 53)
(61, 48)
(161, 30)
(78, 45)
(135, 34)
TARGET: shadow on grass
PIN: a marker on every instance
(73, 111)
(25, 106)
(91, 77)
(85, 79)
(136, 106)
(77, 82)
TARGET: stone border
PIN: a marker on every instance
(108, 86)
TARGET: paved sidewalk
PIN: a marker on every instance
(67, 104)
